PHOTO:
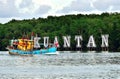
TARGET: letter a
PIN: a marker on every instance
(91, 42)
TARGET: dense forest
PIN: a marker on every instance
(85, 25)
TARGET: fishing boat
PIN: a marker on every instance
(25, 46)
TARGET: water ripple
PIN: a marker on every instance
(67, 65)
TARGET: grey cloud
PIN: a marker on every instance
(77, 5)
(8, 9)
(43, 9)
(116, 7)
(25, 3)
(104, 5)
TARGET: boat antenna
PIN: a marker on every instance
(32, 35)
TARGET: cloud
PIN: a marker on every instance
(8, 8)
(26, 9)
(78, 5)
(33, 8)
(116, 7)
(106, 5)
(43, 9)
(25, 3)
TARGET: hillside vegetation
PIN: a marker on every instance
(85, 25)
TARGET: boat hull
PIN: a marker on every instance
(11, 53)
(51, 50)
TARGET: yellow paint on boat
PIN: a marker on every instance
(25, 44)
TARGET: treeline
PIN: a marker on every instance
(85, 25)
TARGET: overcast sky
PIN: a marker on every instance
(27, 9)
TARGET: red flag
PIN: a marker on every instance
(56, 44)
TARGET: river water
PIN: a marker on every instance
(66, 65)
